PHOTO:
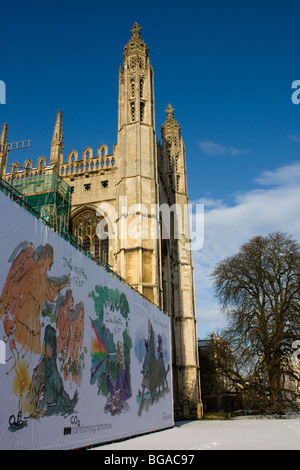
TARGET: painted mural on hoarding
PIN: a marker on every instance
(83, 350)
(111, 348)
(22, 307)
(154, 383)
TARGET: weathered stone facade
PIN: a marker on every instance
(128, 194)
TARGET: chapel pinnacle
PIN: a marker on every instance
(135, 32)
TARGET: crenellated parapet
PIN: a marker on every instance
(27, 170)
(88, 164)
(75, 166)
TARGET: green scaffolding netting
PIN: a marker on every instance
(49, 195)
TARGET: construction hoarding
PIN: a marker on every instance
(84, 358)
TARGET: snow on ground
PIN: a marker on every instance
(241, 433)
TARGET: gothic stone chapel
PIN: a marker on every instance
(126, 191)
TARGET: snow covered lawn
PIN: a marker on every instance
(241, 433)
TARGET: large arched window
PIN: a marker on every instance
(84, 229)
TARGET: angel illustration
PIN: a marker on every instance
(26, 288)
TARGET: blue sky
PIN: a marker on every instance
(227, 68)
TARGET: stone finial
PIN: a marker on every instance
(170, 125)
(170, 112)
(135, 45)
(135, 32)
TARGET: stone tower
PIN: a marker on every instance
(177, 270)
(138, 224)
(130, 209)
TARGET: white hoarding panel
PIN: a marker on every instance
(83, 358)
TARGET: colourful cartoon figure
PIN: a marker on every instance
(76, 352)
(47, 395)
(26, 288)
(118, 392)
(154, 373)
(63, 323)
(110, 349)
(70, 329)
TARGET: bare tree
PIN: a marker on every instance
(259, 289)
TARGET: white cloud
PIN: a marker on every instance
(294, 138)
(212, 148)
(275, 207)
(288, 175)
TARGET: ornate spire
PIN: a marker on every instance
(170, 125)
(135, 32)
(3, 153)
(3, 138)
(136, 83)
(170, 113)
(57, 146)
(58, 132)
(136, 45)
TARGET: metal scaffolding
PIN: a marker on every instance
(50, 196)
